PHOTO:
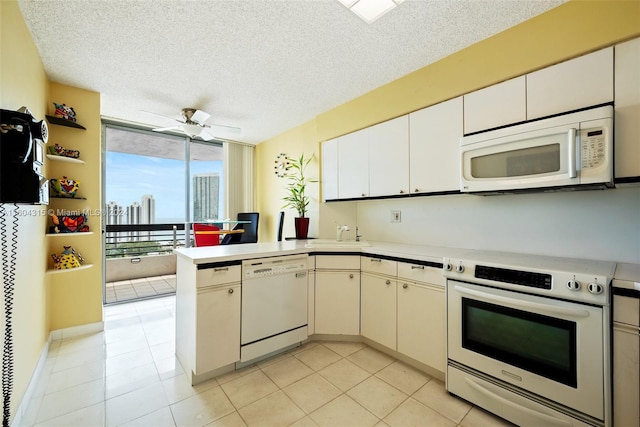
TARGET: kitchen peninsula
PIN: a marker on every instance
(209, 297)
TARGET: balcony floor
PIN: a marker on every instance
(146, 287)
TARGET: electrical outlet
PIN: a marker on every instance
(395, 216)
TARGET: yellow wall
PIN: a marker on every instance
(270, 189)
(76, 296)
(570, 30)
(44, 302)
(23, 83)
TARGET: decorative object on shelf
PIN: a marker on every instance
(69, 223)
(64, 112)
(296, 197)
(59, 150)
(64, 187)
(69, 258)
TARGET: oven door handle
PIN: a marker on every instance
(527, 305)
(546, 419)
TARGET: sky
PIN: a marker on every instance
(130, 176)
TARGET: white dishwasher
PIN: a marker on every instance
(274, 305)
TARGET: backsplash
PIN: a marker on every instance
(603, 225)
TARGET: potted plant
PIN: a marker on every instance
(293, 170)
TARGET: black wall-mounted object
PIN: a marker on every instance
(22, 152)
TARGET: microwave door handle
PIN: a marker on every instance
(572, 153)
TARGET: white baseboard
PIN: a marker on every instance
(22, 408)
(76, 331)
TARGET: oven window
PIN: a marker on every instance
(536, 160)
(540, 344)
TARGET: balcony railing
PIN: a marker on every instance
(144, 239)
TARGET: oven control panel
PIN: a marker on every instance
(577, 280)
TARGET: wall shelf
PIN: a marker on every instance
(65, 159)
(83, 233)
(67, 270)
(67, 198)
(63, 122)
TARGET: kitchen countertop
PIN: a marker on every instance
(226, 253)
(626, 275)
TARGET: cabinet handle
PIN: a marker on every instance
(388, 282)
(375, 260)
(231, 290)
(363, 194)
(417, 267)
(405, 286)
(221, 269)
(401, 191)
(351, 276)
(417, 190)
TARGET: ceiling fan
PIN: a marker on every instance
(193, 125)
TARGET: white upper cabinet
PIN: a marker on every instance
(330, 169)
(353, 165)
(434, 141)
(581, 82)
(627, 109)
(494, 106)
(389, 157)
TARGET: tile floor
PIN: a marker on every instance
(128, 375)
(146, 287)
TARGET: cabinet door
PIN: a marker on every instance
(217, 327)
(498, 105)
(330, 169)
(378, 310)
(626, 376)
(434, 147)
(353, 165)
(627, 109)
(337, 302)
(422, 324)
(578, 83)
(389, 157)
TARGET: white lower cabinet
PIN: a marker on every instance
(626, 361)
(421, 314)
(378, 309)
(218, 327)
(337, 302)
(208, 299)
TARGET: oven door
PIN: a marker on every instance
(548, 347)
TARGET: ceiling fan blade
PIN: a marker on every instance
(223, 128)
(163, 116)
(168, 128)
(206, 135)
(200, 116)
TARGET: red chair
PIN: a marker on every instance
(206, 235)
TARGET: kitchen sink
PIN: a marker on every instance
(328, 243)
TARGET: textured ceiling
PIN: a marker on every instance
(262, 65)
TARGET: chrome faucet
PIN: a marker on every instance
(339, 230)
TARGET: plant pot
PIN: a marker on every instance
(302, 227)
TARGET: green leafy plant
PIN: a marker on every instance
(297, 184)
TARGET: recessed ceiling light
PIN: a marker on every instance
(370, 10)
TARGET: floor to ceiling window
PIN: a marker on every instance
(155, 186)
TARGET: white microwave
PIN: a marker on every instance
(571, 151)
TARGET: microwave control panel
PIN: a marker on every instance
(592, 143)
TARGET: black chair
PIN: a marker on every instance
(280, 224)
(250, 234)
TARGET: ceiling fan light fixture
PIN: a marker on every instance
(370, 10)
(191, 130)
